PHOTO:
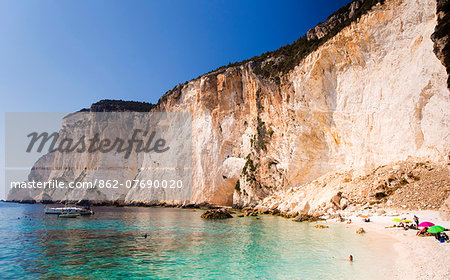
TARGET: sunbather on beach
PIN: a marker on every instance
(423, 231)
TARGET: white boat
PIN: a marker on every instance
(69, 210)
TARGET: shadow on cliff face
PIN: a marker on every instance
(441, 33)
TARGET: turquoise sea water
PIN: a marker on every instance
(111, 245)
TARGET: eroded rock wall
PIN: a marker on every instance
(373, 94)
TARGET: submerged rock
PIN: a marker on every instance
(250, 212)
(216, 214)
(307, 218)
(321, 226)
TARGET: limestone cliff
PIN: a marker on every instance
(372, 94)
(361, 90)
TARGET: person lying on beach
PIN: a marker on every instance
(423, 231)
(349, 221)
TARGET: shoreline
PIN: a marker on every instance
(415, 257)
(121, 203)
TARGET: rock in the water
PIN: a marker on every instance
(216, 214)
(250, 212)
(320, 226)
(360, 231)
(307, 218)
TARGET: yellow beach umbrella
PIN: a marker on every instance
(405, 221)
(396, 220)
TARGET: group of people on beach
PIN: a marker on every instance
(406, 225)
(440, 236)
(423, 231)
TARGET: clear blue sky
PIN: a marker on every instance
(64, 55)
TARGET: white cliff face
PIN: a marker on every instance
(379, 88)
(373, 94)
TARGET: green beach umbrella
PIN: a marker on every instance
(435, 229)
(396, 220)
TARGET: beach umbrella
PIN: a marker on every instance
(405, 221)
(364, 216)
(435, 229)
(426, 224)
(396, 220)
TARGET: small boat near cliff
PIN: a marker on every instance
(69, 210)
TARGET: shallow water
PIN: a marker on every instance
(111, 245)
